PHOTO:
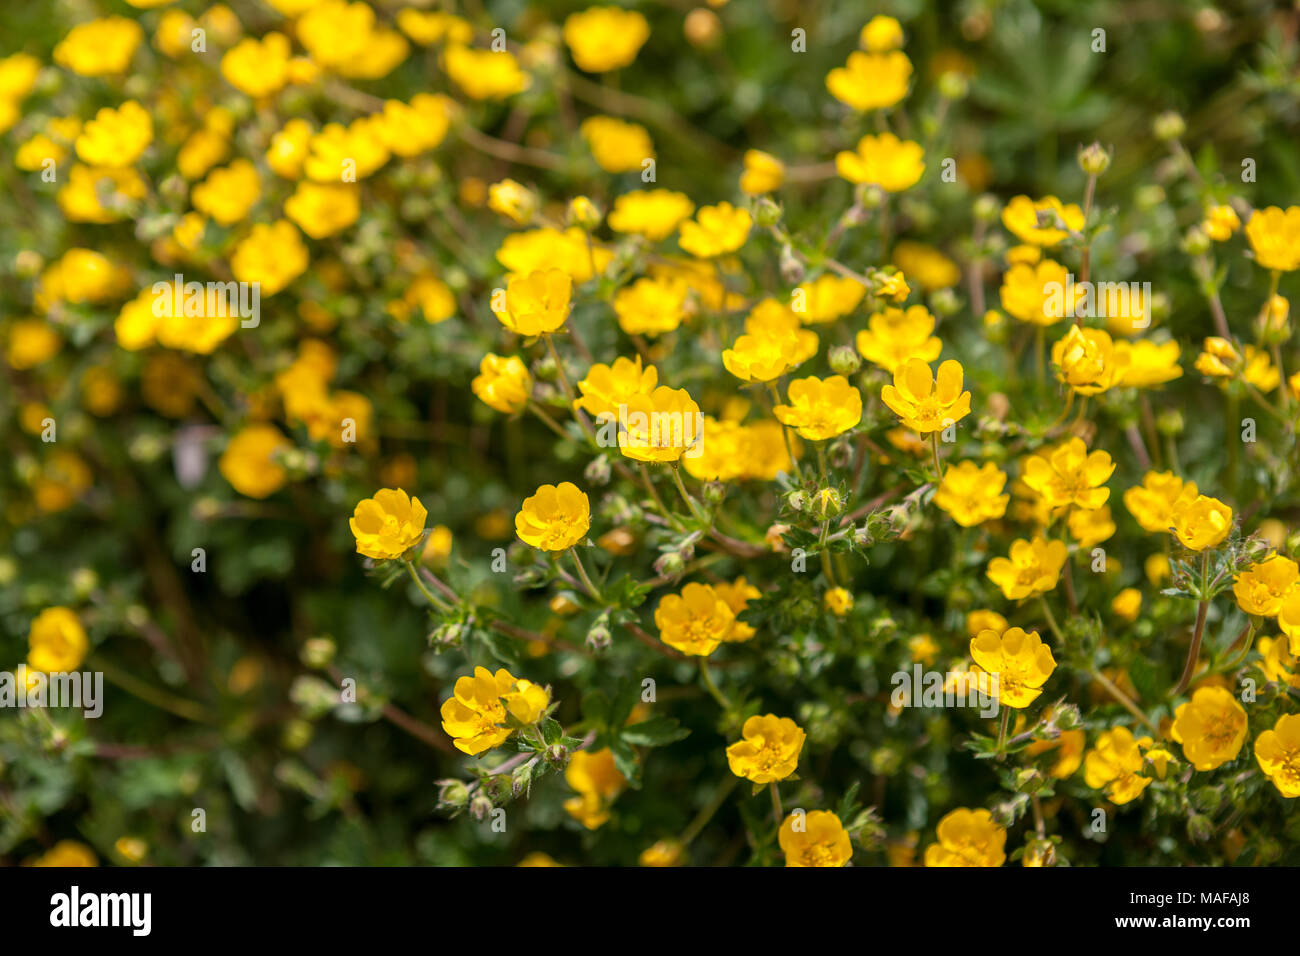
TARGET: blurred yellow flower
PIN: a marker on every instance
(1040, 222)
(1032, 568)
(249, 461)
(605, 38)
(972, 493)
(819, 408)
(1275, 237)
(56, 641)
(871, 81)
(503, 383)
(884, 160)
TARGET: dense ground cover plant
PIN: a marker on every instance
(747, 433)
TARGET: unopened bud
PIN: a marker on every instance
(844, 360)
(1093, 159)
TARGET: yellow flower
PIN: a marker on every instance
(270, 255)
(503, 383)
(249, 461)
(1069, 747)
(816, 838)
(66, 853)
(968, 838)
(227, 194)
(1218, 359)
(1147, 363)
(871, 81)
(894, 337)
(715, 230)
(536, 304)
(31, 342)
(100, 195)
(18, 74)
(972, 494)
(1091, 526)
(881, 34)
(1201, 522)
(1037, 222)
(1152, 502)
(663, 853)
(1025, 292)
(1033, 568)
(485, 74)
(99, 47)
(323, 209)
(737, 596)
(56, 642)
(617, 145)
(32, 154)
(922, 648)
(662, 425)
(1275, 237)
(1070, 475)
(885, 161)
(388, 525)
(1114, 766)
(536, 858)
(1278, 754)
(607, 387)
(476, 715)
(433, 26)
(924, 401)
(838, 601)
(512, 200)
(1021, 661)
(59, 482)
(1261, 587)
(771, 346)
(349, 153)
(651, 307)
(1211, 727)
(605, 38)
(343, 37)
(116, 137)
(652, 213)
(926, 264)
(1087, 360)
(821, 408)
(597, 779)
(538, 250)
(289, 149)
(1278, 663)
(437, 548)
(984, 620)
(584, 213)
(694, 622)
(1220, 223)
(258, 68)
(827, 298)
(1127, 604)
(764, 173)
(417, 127)
(769, 751)
(555, 518)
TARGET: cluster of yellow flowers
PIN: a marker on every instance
(779, 396)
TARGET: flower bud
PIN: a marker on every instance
(317, 652)
(597, 471)
(670, 565)
(598, 637)
(827, 503)
(480, 807)
(557, 755)
(986, 208)
(452, 793)
(767, 212)
(1199, 828)
(1196, 242)
(584, 213)
(797, 500)
(844, 360)
(953, 85)
(1093, 159)
(1169, 125)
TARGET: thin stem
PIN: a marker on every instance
(1002, 730)
(1051, 619)
(690, 502)
(186, 709)
(659, 502)
(716, 694)
(419, 583)
(706, 814)
(938, 464)
(1125, 700)
(582, 573)
(1202, 609)
(785, 432)
(777, 812)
